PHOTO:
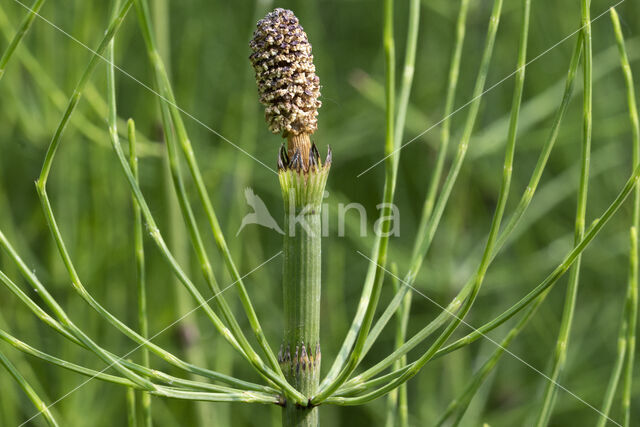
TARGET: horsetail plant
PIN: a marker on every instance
(289, 89)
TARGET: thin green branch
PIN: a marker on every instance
(371, 291)
(143, 323)
(631, 300)
(64, 318)
(502, 199)
(94, 133)
(28, 390)
(562, 343)
(445, 136)
(168, 99)
(101, 375)
(397, 405)
(17, 38)
(504, 191)
(514, 220)
(459, 405)
(138, 242)
(113, 28)
(549, 281)
(437, 172)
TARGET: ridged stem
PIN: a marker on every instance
(301, 287)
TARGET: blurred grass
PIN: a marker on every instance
(207, 51)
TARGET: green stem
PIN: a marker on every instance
(454, 72)
(572, 289)
(460, 404)
(22, 31)
(29, 391)
(427, 208)
(138, 241)
(631, 301)
(132, 418)
(300, 354)
(143, 322)
(168, 99)
(612, 385)
(397, 399)
(340, 371)
(551, 279)
(64, 331)
(423, 243)
(514, 220)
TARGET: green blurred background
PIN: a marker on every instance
(205, 46)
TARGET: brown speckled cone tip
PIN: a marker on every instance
(285, 74)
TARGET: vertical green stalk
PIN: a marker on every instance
(371, 292)
(445, 133)
(300, 354)
(137, 218)
(514, 220)
(397, 399)
(432, 192)
(138, 231)
(403, 104)
(22, 31)
(572, 289)
(132, 418)
(631, 302)
(632, 310)
(495, 225)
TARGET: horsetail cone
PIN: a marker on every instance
(287, 82)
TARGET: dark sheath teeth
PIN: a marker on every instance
(283, 158)
(313, 160)
(296, 162)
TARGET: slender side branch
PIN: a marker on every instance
(17, 38)
(371, 292)
(168, 99)
(572, 289)
(514, 220)
(631, 300)
(29, 391)
(391, 378)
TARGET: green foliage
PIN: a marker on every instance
(125, 297)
